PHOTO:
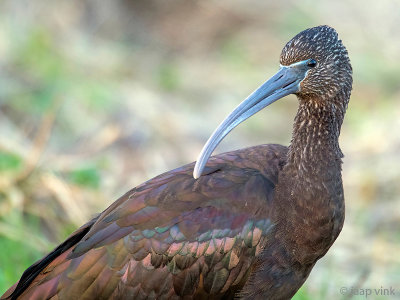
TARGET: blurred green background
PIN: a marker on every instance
(98, 96)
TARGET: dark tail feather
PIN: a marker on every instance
(30, 274)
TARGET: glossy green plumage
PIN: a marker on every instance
(160, 240)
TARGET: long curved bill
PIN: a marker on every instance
(286, 81)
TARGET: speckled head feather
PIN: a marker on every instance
(333, 72)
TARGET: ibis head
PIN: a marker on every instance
(314, 65)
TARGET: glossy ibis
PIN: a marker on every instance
(251, 223)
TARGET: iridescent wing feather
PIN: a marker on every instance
(171, 237)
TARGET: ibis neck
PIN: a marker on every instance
(310, 188)
(315, 140)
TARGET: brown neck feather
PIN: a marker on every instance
(309, 192)
(315, 136)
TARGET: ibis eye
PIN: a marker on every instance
(312, 63)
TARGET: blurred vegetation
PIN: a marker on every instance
(99, 96)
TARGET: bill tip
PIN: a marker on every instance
(196, 175)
